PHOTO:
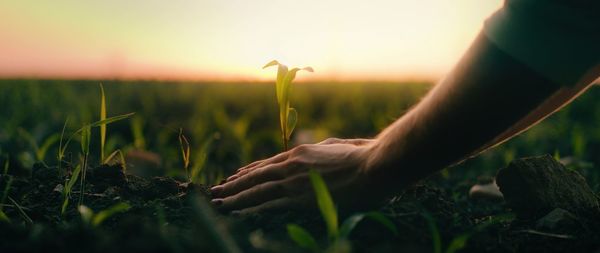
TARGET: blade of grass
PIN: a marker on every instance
(325, 203)
(351, 223)
(302, 238)
(435, 233)
(200, 161)
(40, 154)
(207, 221)
(105, 214)
(102, 117)
(69, 187)
(95, 124)
(85, 149)
(121, 158)
(61, 151)
(185, 152)
(21, 211)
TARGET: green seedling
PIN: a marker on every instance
(185, 152)
(196, 175)
(40, 151)
(460, 241)
(21, 211)
(338, 235)
(102, 117)
(137, 130)
(288, 116)
(85, 133)
(3, 217)
(65, 145)
(95, 219)
(61, 152)
(67, 189)
(121, 159)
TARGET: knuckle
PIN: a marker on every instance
(299, 150)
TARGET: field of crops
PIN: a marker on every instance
(141, 199)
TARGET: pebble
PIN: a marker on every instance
(487, 191)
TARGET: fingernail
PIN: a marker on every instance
(216, 190)
(217, 202)
(232, 178)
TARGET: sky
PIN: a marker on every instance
(231, 40)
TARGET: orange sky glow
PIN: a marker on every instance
(230, 40)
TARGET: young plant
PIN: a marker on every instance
(95, 219)
(287, 115)
(102, 126)
(196, 175)
(185, 152)
(67, 189)
(85, 133)
(40, 151)
(3, 216)
(338, 235)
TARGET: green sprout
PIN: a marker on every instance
(3, 216)
(185, 152)
(288, 116)
(102, 126)
(338, 235)
(86, 134)
(196, 175)
(67, 189)
(95, 219)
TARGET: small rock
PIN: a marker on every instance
(59, 188)
(558, 220)
(488, 191)
(534, 186)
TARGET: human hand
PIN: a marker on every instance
(282, 182)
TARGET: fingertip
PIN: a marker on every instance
(216, 190)
(217, 202)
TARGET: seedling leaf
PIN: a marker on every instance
(302, 238)
(458, 243)
(85, 140)
(200, 160)
(102, 126)
(291, 122)
(351, 223)
(185, 152)
(105, 214)
(21, 211)
(121, 159)
(41, 152)
(435, 233)
(325, 203)
(271, 63)
(68, 188)
(111, 120)
(3, 217)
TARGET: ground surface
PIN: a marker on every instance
(168, 215)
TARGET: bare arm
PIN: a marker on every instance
(488, 98)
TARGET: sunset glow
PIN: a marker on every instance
(233, 39)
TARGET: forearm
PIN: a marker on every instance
(488, 98)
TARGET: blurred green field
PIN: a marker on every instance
(243, 120)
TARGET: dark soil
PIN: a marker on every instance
(164, 218)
